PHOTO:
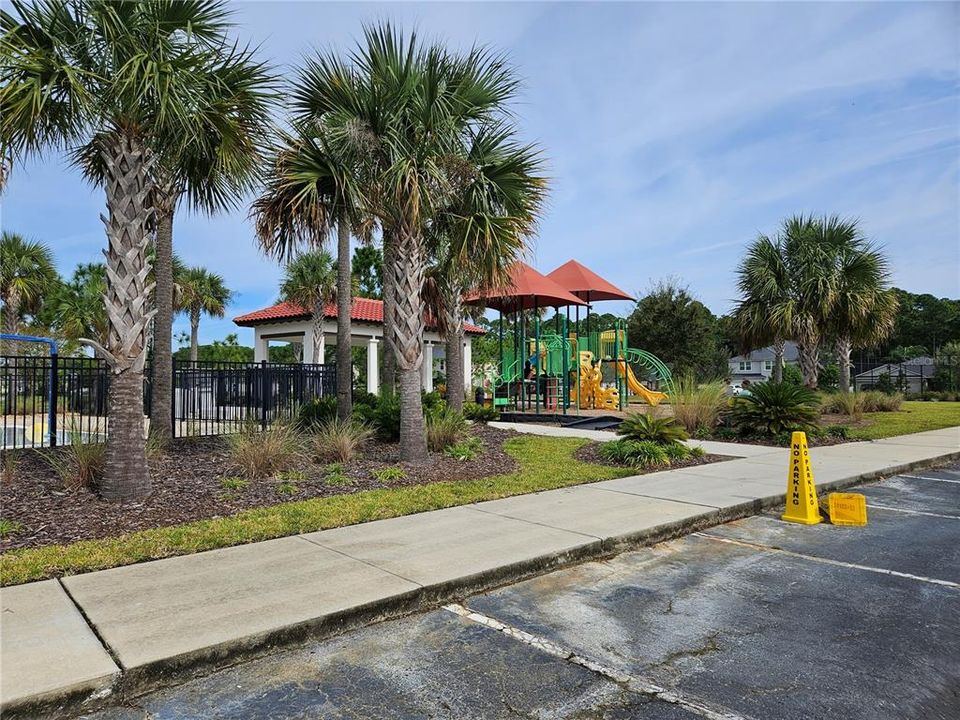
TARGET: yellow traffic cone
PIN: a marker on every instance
(802, 505)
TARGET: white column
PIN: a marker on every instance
(426, 370)
(468, 366)
(260, 347)
(373, 366)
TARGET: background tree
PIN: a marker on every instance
(680, 330)
(922, 321)
(78, 307)
(367, 269)
(864, 308)
(310, 280)
(135, 78)
(26, 273)
(201, 292)
(766, 311)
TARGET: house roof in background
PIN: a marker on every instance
(364, 310)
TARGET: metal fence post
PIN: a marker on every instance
(263, 395)
(54, 394)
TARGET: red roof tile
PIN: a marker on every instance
(364, 310)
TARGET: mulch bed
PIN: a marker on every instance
(187, 486)
(591, 453)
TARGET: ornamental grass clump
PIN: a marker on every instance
(80, 464)
(445, 428)
(258, 454)
(339, 440)
(697, 407)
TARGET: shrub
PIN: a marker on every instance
(335, 476)
(696, 452)
(339, 441)
(676, 451)
(362, 397)
(697, 406)
(875, 401)
(445, 428)
(837, 431)
(80, 464)
(433, 402)
(640, 426)
(852, 404)
(386, 416)
(389, 475)
(792, 374)
(479, 413)
(465, 449)
(287, 488)
(316, 412)
(258, 454)
(775, 408)
(638, 453)
(233, 483)
(9, 527)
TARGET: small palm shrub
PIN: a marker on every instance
(445, 428)
(316, 411)
(640, 426)
(79, 464)
(697, 407)
(479, 413)
(257, 454)
(638, 453)
(775, 408)
(339, 441)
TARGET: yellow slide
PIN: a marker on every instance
(651, 397)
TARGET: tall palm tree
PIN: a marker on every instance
(864, 307)
(480, 233)
(310, 280)
(764, 315)
(201, 292)
(137, 79)
(309, 192)
(26, 273)
(406, 112)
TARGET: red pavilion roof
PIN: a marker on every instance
(527, 289)
(585, 283)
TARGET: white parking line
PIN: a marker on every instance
(926, 477)
(911, 512)
(828, 561)
(638, 685)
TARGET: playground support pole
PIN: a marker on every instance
(616, 366)
(502, 373)
(576, 359)
(536, 353)
(564, 364)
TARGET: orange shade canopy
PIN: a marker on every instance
(585, 283)
(527, 289)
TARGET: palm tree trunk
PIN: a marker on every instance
(808, 349)
(408, 271)
(844, 348)
(129, 230)
(389, 310)
(318, 333)
(344, 306)
(194, 335)
(161, 426)
(454, 352)
(779, 345)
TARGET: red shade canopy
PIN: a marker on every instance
(585, 283)
(527, 289)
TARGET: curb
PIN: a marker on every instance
(130, 683)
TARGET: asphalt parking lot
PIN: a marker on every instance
(754, 619)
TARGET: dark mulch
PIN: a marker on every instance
(591, 453)
(187, 486)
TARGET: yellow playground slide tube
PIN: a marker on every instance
(651, 397)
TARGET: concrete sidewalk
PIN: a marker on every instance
(79, 639)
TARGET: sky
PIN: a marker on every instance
(674, 133)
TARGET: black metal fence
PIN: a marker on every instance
(49, 401)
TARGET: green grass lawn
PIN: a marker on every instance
(914, 416)
(545, 463)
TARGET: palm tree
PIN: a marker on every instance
(309, 280)
(764, 315)
(79, 310)
(405, 114)
(482, 231)
(137, 80)
(864, 307)
(201, 291)
(309, 191)
(26, 273)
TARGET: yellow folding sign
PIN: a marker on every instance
(847, 508)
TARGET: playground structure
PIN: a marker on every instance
(552, 368)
